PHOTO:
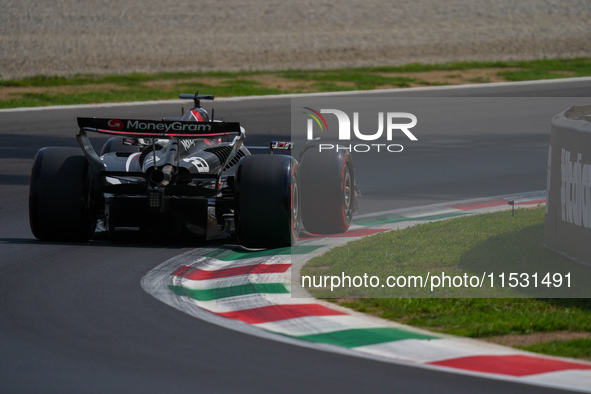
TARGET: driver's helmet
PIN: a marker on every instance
(200, 115)
(196, 115)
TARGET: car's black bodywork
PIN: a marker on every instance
(188, 176)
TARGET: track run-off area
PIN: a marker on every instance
(75, 317)
(241, 290)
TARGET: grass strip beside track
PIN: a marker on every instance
(576, 348)
(43, 90)
(465, 244)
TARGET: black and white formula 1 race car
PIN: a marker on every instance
(189, 176)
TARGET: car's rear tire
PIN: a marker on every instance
(328, 190)
(267, 212)
(60, 206)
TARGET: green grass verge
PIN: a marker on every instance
(476, 246)
(45, 90)
(473, 244)
(576, 348)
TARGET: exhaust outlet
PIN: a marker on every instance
(162, 177)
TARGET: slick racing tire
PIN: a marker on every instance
(60, 206)
(267, 213)
(328, 190)
(115, 144)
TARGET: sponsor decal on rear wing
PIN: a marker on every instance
(166, 129)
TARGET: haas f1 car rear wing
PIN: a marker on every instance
(153, 130)
(163, 129)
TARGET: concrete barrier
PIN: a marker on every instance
(567, 228)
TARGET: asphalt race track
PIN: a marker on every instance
(74, 318)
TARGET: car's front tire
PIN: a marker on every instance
(328, 191)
